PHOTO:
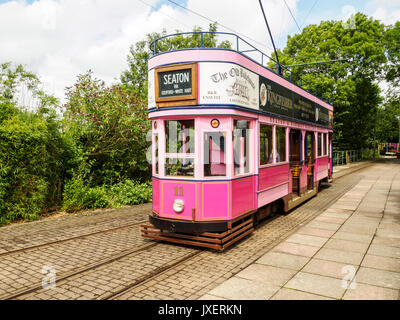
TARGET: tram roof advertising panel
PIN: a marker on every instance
(229, 84)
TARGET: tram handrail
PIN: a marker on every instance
(238, 39)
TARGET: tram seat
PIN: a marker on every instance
(218, 169)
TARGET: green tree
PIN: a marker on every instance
(12, 78)
(388, 119)
(109, 124)
(34, 153)
(352, 84)
(392, 43)
(135, 78)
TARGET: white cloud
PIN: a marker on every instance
(387, 11)
(59, 39)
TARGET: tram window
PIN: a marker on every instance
(156, 153)
(280, 144)
(308, 148)
(325, 144)
(265, 144)
(214, 154)
(179, 136)
(182, 167)
(241, 146)
(319, 145)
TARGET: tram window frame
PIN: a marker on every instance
(266, 157)
(308, 145)
(156, 154)
(280, 140)
(319, 142)
(207, 166)
(238, 132)
(325, 149)
(183, 160)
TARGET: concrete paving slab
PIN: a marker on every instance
(324, 225)
(369, 292)
(391, 242)
(385, 251)
(307, 240)
(243, 289)
(388, 234)
(383, 263)
(352, 228)
(296, 249)
(211, 297)
(266, 274)
(335, 255)
(380, 278)
(316, 232)
(342, 206)
(363, 238)
(330, 219)
(291, 294)
(326, 268)
(360, 213)
(336, 210)
(335, 215)
(317, 284)
(347, 245)
(283, 260)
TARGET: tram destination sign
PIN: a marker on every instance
(176, 85)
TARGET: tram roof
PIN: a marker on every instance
(268, 77)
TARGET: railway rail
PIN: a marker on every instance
(139, 282)
(69, 239)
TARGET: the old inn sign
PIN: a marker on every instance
(228, 84)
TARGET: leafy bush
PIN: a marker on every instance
(129, 192)
(23, 167)
(109, 124)
(78, 195)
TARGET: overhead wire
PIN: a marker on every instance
(290, 11)
(224, 26)
(305, 19)
(149, 5)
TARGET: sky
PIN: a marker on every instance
(60, 39)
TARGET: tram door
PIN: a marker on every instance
(295, 160)
(309, 153)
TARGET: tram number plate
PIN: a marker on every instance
(175, 83)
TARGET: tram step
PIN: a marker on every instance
(217, 241)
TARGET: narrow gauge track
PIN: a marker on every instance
(137, 282)
(70, 238)
(153, 275)
(83, 269)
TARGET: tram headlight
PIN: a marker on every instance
(178, 205)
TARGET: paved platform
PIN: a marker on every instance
(350, 251)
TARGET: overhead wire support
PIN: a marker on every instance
(272, 39)
(310, 63)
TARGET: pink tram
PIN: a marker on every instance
(232, 142)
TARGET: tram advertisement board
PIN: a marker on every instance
(228, 84)
(304, 109)
(176, 83)
(275, 98)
